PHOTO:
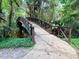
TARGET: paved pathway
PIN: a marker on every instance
(47, 47)
(50, 47)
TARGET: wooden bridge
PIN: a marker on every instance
(47, 45)
(61, 32)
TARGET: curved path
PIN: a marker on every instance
(47, 47)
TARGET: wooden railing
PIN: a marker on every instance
(26, 26)
(59, 31)
(43, 24)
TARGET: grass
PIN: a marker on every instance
(15, 42)
(75, 42)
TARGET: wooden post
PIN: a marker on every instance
(32, 34)
(70, 34)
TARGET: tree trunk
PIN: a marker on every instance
(0, 6)
(11, 10)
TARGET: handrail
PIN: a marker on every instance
(27, 26)
(46, 25)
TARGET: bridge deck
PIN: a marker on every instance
(47, 47)
(50, 47)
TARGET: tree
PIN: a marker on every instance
(70, 16)
(11, 10)
(0, 6)
(1, 14)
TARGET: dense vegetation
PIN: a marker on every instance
(15, 42)
(63, 13)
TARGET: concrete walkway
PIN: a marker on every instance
(50, 47)
(47, 47)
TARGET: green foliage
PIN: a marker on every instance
(20, 12)
(70, 17)
(15, 42)
(5, 7)
(75, 42)
(28, 1)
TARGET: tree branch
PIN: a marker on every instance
(16, 3)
